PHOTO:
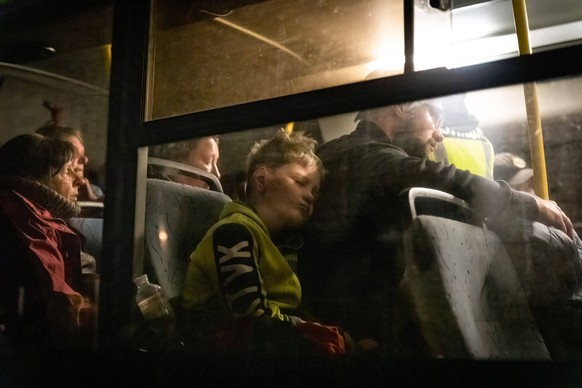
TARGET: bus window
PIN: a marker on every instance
(258, 50)
(248, 54)
(341, 290)
(55, 80)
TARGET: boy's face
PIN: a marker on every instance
(290, 192)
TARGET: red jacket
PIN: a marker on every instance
(40, 271)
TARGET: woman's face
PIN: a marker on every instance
(290, 191)
(66, 182)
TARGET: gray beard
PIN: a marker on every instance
(412, 146)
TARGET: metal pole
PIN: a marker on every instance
(408, 36)
(536, 140)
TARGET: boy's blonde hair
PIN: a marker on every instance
(281, 149)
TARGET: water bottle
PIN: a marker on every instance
(154, 306)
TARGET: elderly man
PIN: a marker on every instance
(57, 129)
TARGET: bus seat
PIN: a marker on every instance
(535, 248)
(464, 292)
(189, 170)
(549, 265)
(90, 224)
(177, 217)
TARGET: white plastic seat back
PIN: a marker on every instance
(465, 293)
(177, 217)
(90, 224)
(188, 170)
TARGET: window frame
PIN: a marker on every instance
(128, 130)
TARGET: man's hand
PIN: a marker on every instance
(86, 192)
(552, 215)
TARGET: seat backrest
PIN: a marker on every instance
(465, 293)
(177, 217)
(90, 224)
(189, 170)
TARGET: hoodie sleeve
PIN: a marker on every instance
(239, 276)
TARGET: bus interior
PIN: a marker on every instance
(133, 75)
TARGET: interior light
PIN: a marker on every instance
(387, 58)
(386, 63)
(482, 50)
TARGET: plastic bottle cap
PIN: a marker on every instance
(141, 280)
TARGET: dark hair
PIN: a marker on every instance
(34, 156)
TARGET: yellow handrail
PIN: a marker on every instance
(536, 140)
(289, 127)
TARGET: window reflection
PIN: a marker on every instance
(57, 56)
(213, 54)
(483, 285)
(209, 58)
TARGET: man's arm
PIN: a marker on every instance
(398, 171)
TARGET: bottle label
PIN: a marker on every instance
(154, 307)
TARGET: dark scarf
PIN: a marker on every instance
(41, 195)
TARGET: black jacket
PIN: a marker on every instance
(350, 263)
